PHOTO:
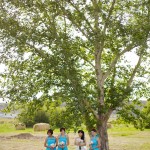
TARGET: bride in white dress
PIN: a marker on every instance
(80, 141)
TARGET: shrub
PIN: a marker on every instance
(41, 117)
(30, 118)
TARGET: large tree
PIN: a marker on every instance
(75, 50)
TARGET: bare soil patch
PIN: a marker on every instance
(23, 136)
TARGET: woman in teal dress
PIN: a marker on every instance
(50, 141)
(95, 141)
(62, 140)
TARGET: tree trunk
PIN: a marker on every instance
(102, 130)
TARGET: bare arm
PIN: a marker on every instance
(84, 143)
(57, 141)
(45, 143)
(67, 140)
(90, 145)
(55, 145)
(75, 141)
(78, 143)
(99, 143)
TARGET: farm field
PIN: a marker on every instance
(120, 138)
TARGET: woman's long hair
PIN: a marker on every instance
(82, 137)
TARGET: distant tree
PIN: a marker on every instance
(50, 112)
(75, 50)
(26, 116)
(31, 113)
(132, 114)
(41, 116)
(146, 113)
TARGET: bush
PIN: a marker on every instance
(31, 118)
(41, 117)
(146, 113)
(26, 118)
(52, 113)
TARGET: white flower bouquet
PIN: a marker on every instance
(91, 142)
(53, 145)
(61, 143)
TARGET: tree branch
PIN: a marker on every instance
(109, 14)
(90, 108)
(88, 23)
(98, 52)
(107, 20)
(72, 19)
(39, 52)
(108, 114)
(135, 69)
(85, 59)
(114, 62)
(96, 17)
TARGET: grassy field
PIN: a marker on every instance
(120, 138)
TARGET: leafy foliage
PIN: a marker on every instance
(132, 114)
(146, 113)
(53, 113)
(137, 114)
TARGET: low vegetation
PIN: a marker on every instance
(121, 137)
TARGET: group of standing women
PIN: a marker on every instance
(62, 141)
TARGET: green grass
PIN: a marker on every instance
(121, 137)
(122, 130)
(8, 126)
(145, 146)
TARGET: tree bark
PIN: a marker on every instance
(102, 130)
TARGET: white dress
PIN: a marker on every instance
(78, 140)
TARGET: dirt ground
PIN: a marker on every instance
(24, 141)
(34, 141)
(27, 141)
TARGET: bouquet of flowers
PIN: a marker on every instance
(61, 143)
(53, 145)
(91, 142)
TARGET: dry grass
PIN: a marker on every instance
(120, 138)
(138, 141)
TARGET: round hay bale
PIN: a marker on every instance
(109, 126)
(20, 126)
(41, 126)
(1, 122)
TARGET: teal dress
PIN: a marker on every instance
(94, 144)
(50, 141)
(63, 139)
